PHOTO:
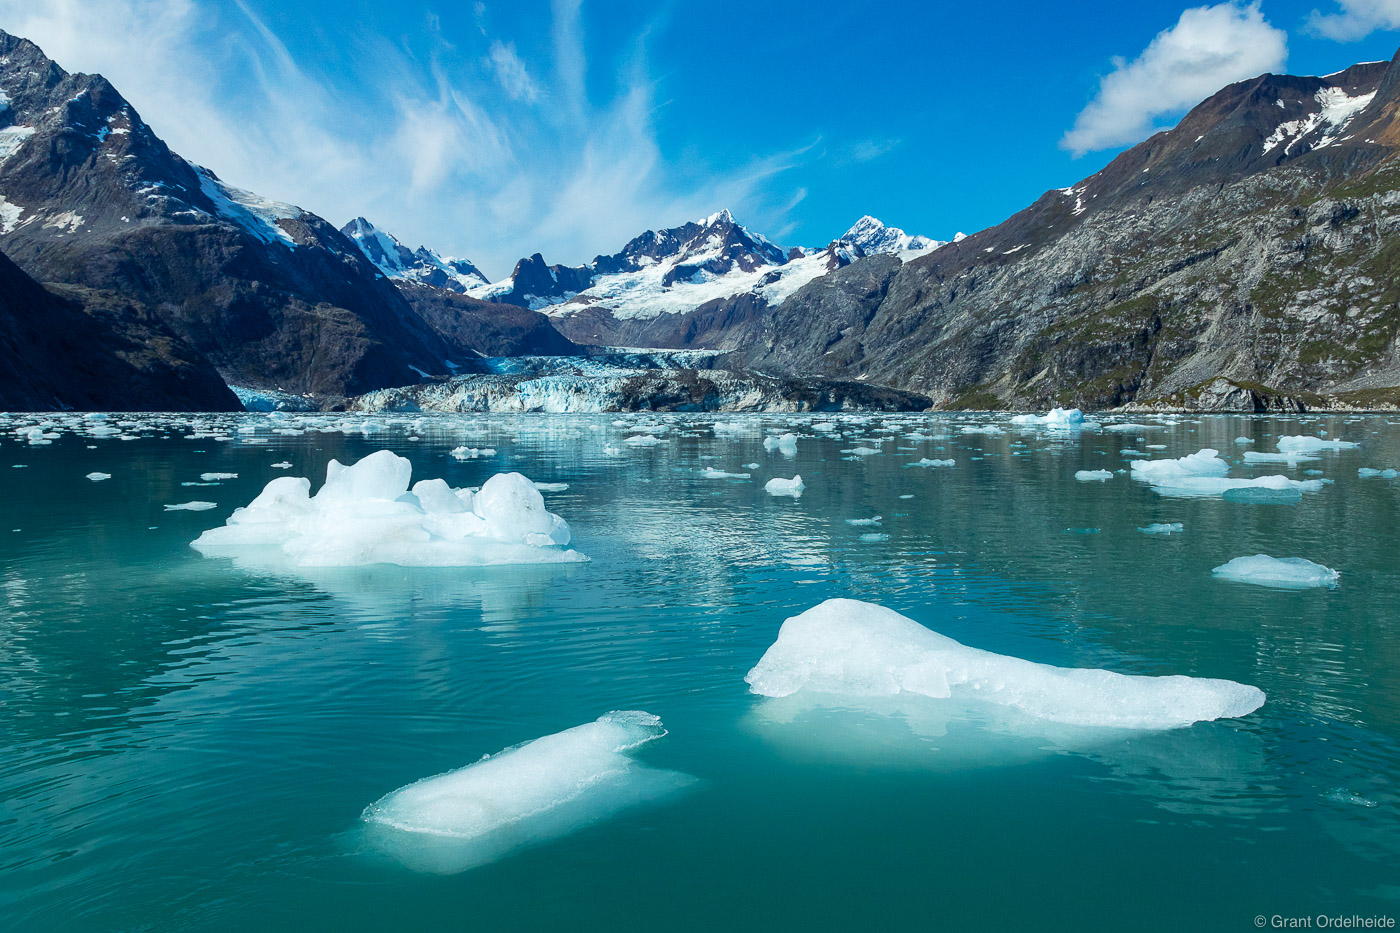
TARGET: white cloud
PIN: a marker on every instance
(1356, 19)
(470, 146)
(1209, 48)
(511, 73)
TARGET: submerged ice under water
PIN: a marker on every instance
(192, 742)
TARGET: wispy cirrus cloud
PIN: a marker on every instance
(464, 142)
(1208, 48)
(1355, 19)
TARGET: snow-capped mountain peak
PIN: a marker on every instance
(422, 265)
(873, 236)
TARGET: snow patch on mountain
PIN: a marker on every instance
(423, 265)
(1336, 110)
(257, 215)
(11, 138)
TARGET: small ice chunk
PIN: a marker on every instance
(1161, 528)
(777, 486)
(472, 453)
(853, 649)
(864, 521)
(1089, 476)
(785, 444)
(284, 465)
(1288, 573)
(926, 462)
(875, 536)
(195, 506)
(215, 477)
(862, 451)
(1244, 440)
(642, 440)
(99, 477)
(712, 473)
(1055, 418)
(527, 794)
(1371, 472)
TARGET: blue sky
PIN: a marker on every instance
(491, 130)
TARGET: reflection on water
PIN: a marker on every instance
(188, 744)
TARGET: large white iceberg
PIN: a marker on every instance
(1062, 418)
(526, 794)
(365, 514)
(850, 649)
(1288, 573)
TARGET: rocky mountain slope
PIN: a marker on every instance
(1245, 258)
(76, 348)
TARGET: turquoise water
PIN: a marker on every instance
(189, 745)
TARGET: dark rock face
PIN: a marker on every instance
(76, 348)
(275, 297)
(472, 328)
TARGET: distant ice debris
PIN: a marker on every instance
(980, 429)
(642, 440)
(1162, 528)
(472, 453)
(926, 462)
(1262, 456)
(1371, 473)
(712, 473)
(875, 536)
(284, 465)
(215, 477)
(365, 514)
(1093, 475)
(852, 649)
(525, 795)
(777, 486)
(195, 506)
(1289, 573)
(99, 477)
(864, 521)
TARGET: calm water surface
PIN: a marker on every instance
(188, 745)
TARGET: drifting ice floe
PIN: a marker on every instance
(99, 477)
(1162, 528)
(1364, 473)
(1093, 475)
(1204, 474)
(851, 649)
(531, 793)
(195, 506)
(1289, 573)
(777, 486)
(365, 514)
(1305, 443)
(926, 462)
(712, 473)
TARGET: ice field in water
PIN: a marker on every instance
(899, 657)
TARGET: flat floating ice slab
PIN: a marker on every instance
(528, 794)
(1287, 573)
(365, 514)
(1090, 476)
(851, 649)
